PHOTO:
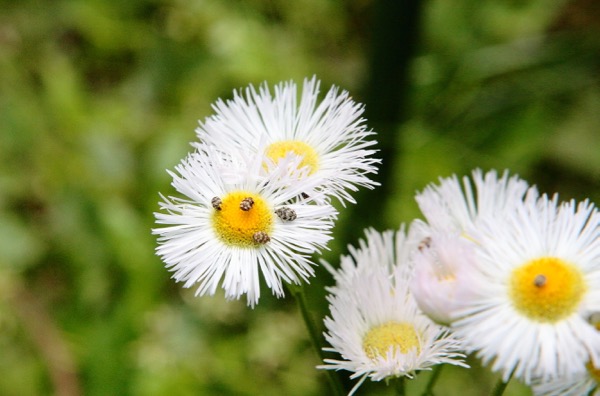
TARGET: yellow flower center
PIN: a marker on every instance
(237, 221)
(278, 150)
(402, 336)
(547, 289)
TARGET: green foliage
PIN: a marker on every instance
(98, 98)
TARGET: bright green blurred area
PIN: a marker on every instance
(98, 98)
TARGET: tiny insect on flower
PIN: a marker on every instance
(216, 203)
(286, 214)
(246, 204)
(261, 237)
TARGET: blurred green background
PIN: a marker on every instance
(98, 98)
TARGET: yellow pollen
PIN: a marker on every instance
(278, 150)
(402, 336)
(443, 272)
(546, 289)
(236, 226)
(446, 278)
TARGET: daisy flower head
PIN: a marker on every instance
(452, 206)
(329, 136)
(237, 221)
(375, 324)
(537, 281)
(441, 275)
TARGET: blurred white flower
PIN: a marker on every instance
(441, 279)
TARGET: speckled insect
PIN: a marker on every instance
(286, 214)
(539, 280)
(261, 237)
(246, 204)
(216, 203)
(424, 244)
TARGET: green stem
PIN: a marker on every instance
(500, 386)
(298, 292)
(400, 386)
(434, 377)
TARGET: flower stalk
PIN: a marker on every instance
(300, 296)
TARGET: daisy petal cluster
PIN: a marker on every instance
(529, 270)
(330, 135)
(255, 194)
(374, 323)
(582, 383)
(454, 206)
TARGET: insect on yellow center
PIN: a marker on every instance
(547, 289)
(238, 223)
(276, 151)
(400, 336)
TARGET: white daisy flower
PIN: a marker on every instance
(375, 324)
(537, 280)
(330, 136)
(238, 220)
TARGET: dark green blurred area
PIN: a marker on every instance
(98, 98)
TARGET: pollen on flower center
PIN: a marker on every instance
(443, 272)
(546, 289)
(237, 226)
(400, 336)
(280, 149)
